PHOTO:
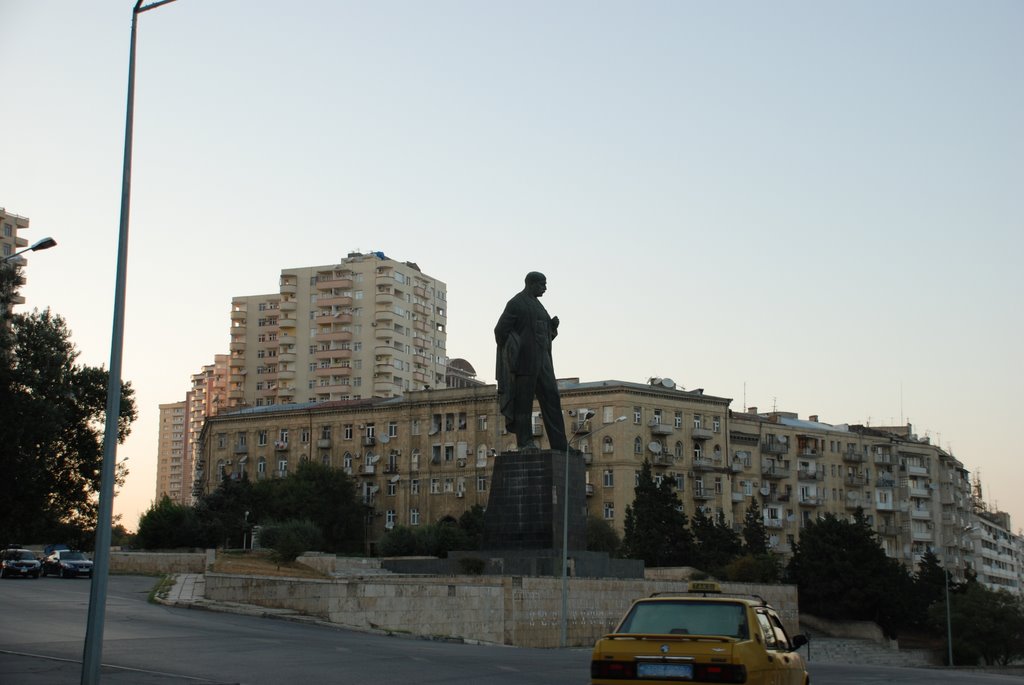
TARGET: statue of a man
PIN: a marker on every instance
(524, 369)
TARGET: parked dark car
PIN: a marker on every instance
(18, 563)
(67, 563)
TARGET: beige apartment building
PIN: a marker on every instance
(368, 326)
(10, 242)
(428, 455)
(172, 434)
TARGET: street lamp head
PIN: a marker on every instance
(43, 244)
(620, 419)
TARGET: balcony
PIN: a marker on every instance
(853, 504)
(286, 322)
(288, 306)
(704, 464)
(537, 430)
(323, 443)
(883, 458)
(885, 482)
(885, 506)
(774, 447)
(367, 469)
(778, 497)
(810, 501)
(382, 333)
(280, 446)
(333, 354)
(920, 514)
(369, 441)
(854, 457)
(237, 363)
(286, 339)
(286, 357)
(241, 449)
(856, 480)
(919, 492)
(917, 470)
(737, 466)
(738, 496)
(236, 346)
(286, 391)
(289, 288)
(659, 428)
(774, 524)
(590, 489)
(333, 336)
(333, 301)
(662, 460)
(588, 459)
(580, 427)
(236, 394)
(331, 283)
(698, 433)
(888, 530)
(773, 472)
(286, 374)
(704, 495)
(239, 315)
(810, 474)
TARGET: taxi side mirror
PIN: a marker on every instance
(799, 641)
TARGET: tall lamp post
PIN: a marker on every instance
(93, 649)
(565, 522)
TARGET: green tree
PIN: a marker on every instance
(930, 584)
(602, 537)
(717, 542)
(169, 525)
(51, 426)
(755, 534)
(656, 527)
(754, 568)
(226, 514)
(288, 539)
(321, 494)
(472, 524)
(988, 626)
(843, 573)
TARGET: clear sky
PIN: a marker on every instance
(808, 206)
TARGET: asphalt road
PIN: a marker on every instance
(42, 629)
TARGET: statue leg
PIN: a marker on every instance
(551, 410)
(522, 405)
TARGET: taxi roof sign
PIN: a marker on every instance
(704, 586)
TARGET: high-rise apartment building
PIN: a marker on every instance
(171, 448)
(10, 241)
(180, 426)
(368, 326)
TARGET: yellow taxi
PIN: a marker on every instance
(699, 636)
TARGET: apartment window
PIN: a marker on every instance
(414, 460)
(481, 422)
(697, 420)
(680, 482)
(325, 432)
(609, 511)
(347, 461)
(389, 518)
(392, 429)
(677, 450)
(716, 424)
(325, 458)
(608, 479)
(449, 452)
(414, 486)
(392, 489)
(261, 438)
(638, 445)
(222, 440)
(657, 416)
(348, 431)
(449, 485)
(261, 465)
(304, 436)
(481, 483)
(698, 451)
(414, 427)
(282, 466)
(435, 486)
(283, 435)
(608, 444)
(718, 485)
(414, 517)
(637, 415)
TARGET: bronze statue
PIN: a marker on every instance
(524, 368)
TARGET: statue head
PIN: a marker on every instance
(536, 283)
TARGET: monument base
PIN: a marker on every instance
(526, 508)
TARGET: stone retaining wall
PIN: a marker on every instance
(158, 563)
(513, 610)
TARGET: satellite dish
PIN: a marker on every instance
(395, 479)
(783, 439)
(384, 439)
(433, 431)
(765, 491)
(654, 447)
(668, 383)
(372, 458)
(374, 488)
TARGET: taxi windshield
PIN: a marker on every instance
(687, 618)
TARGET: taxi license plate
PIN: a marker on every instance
(649, 670)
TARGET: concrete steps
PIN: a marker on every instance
(836, 650)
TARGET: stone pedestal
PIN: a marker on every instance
(525, 509)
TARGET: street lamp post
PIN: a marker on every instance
(41, 244)
(565, 523)
(93, 650)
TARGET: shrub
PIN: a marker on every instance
(288, 539)
(472, 566)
